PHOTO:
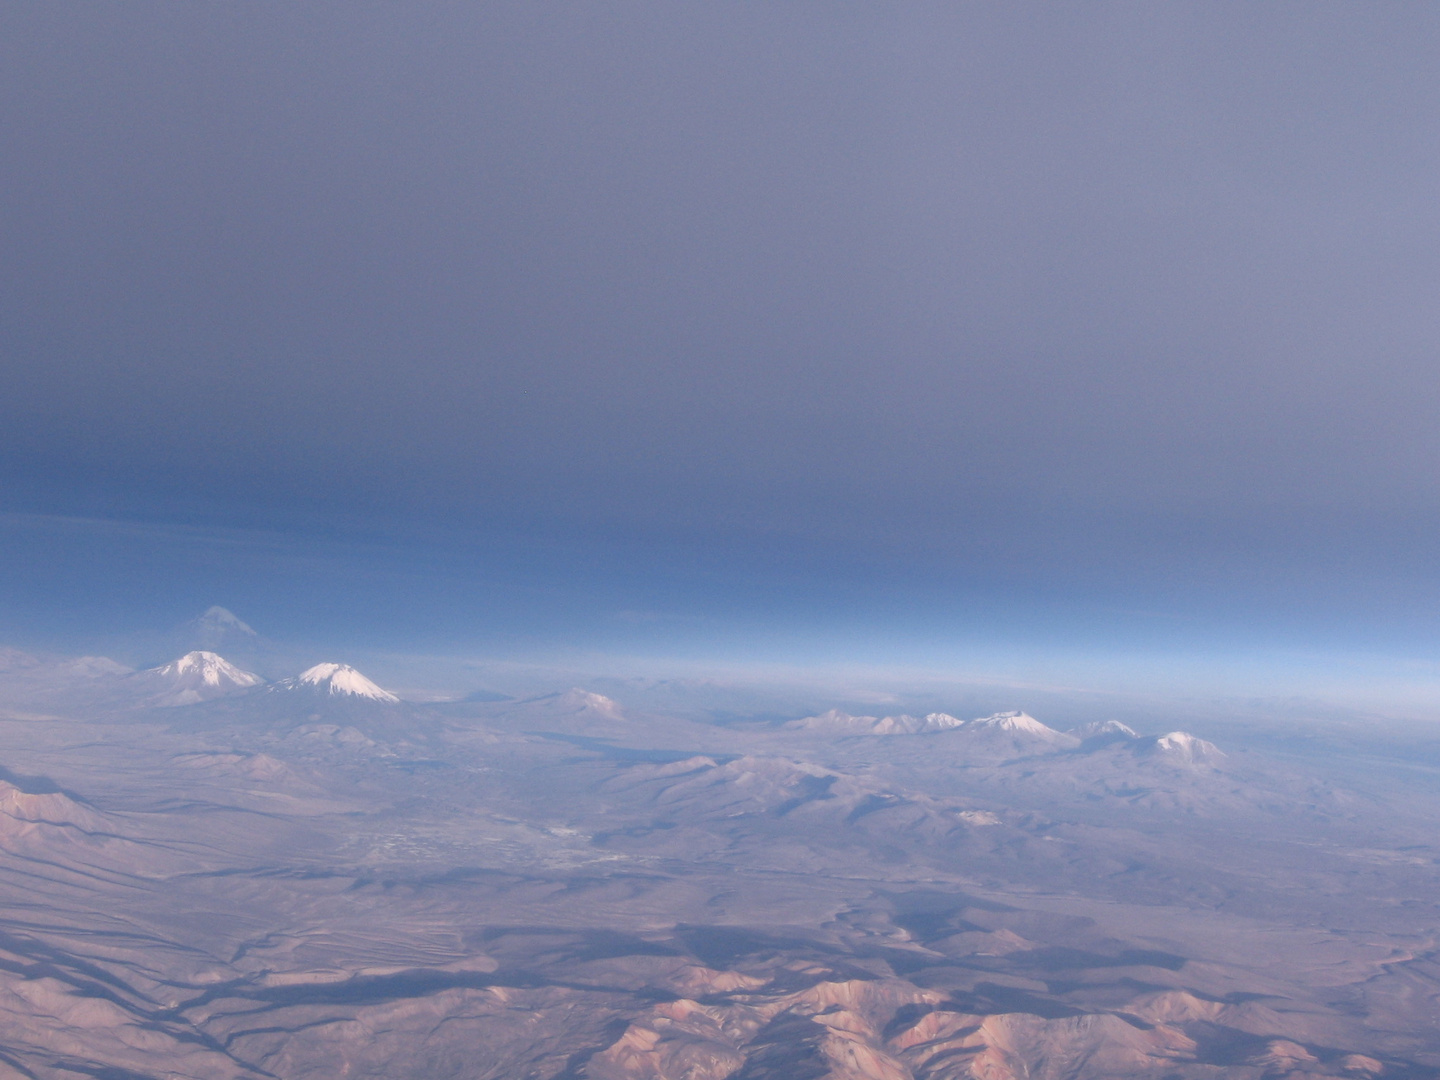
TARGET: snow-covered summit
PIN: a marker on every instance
(1015, 732)
(910, 725)
(1108, 729)
(1015, 722)
(201, 668)
(339, 680)
(198, 676)
(1182, 746)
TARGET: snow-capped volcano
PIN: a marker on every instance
(1182, 746)
(1015, 733)
(202, 668)
(221, 631)
(339, 680)
(1018, 723)
(198, 676)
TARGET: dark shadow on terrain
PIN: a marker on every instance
(933, 900)
(107, 1072)
(634, 832)
(721, 947)
(1059, 958)
(933, 925)
(88, 980)
(14, 1063)
(581, 946)
(486, 696)
(418, 765)
(928, 915)
(38, 785)
(419, 983)
(871, 803)
(1132, 988)
(992, 999)
(743, 720)
(787, 1048)
(576, 1062)
(812, 789)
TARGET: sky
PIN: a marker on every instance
(817, 331)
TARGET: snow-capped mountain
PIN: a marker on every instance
(1098, 734)
(1017, 723)
(202, 668)
(836, 722)
(1181, 746)
(1014, 733)
(338, 680)
(220, 630)
(1106, 729)
(197, 676)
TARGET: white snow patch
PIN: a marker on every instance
(1015, 722)
(342, 679)
(939, 721)
(207, 669)
(1112, 728)
(1186, 747)
(197, 676)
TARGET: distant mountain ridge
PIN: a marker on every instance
(837, 722)
(1015, 734)
(1104, 733)
(1014, 723)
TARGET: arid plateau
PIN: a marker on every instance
(212, 875)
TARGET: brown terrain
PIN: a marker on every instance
(298, 880)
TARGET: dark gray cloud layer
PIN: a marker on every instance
(1054, 297)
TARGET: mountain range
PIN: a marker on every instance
(207, 874)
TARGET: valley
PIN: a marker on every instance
(211, 875)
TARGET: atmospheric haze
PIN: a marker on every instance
(215, 875)
(719, 542)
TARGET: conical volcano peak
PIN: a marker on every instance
(207, 669)
(224, 619)
(1015, 721)
(217, 630)
(195, 677)
(342, 679)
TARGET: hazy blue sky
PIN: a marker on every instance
(667, 323)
